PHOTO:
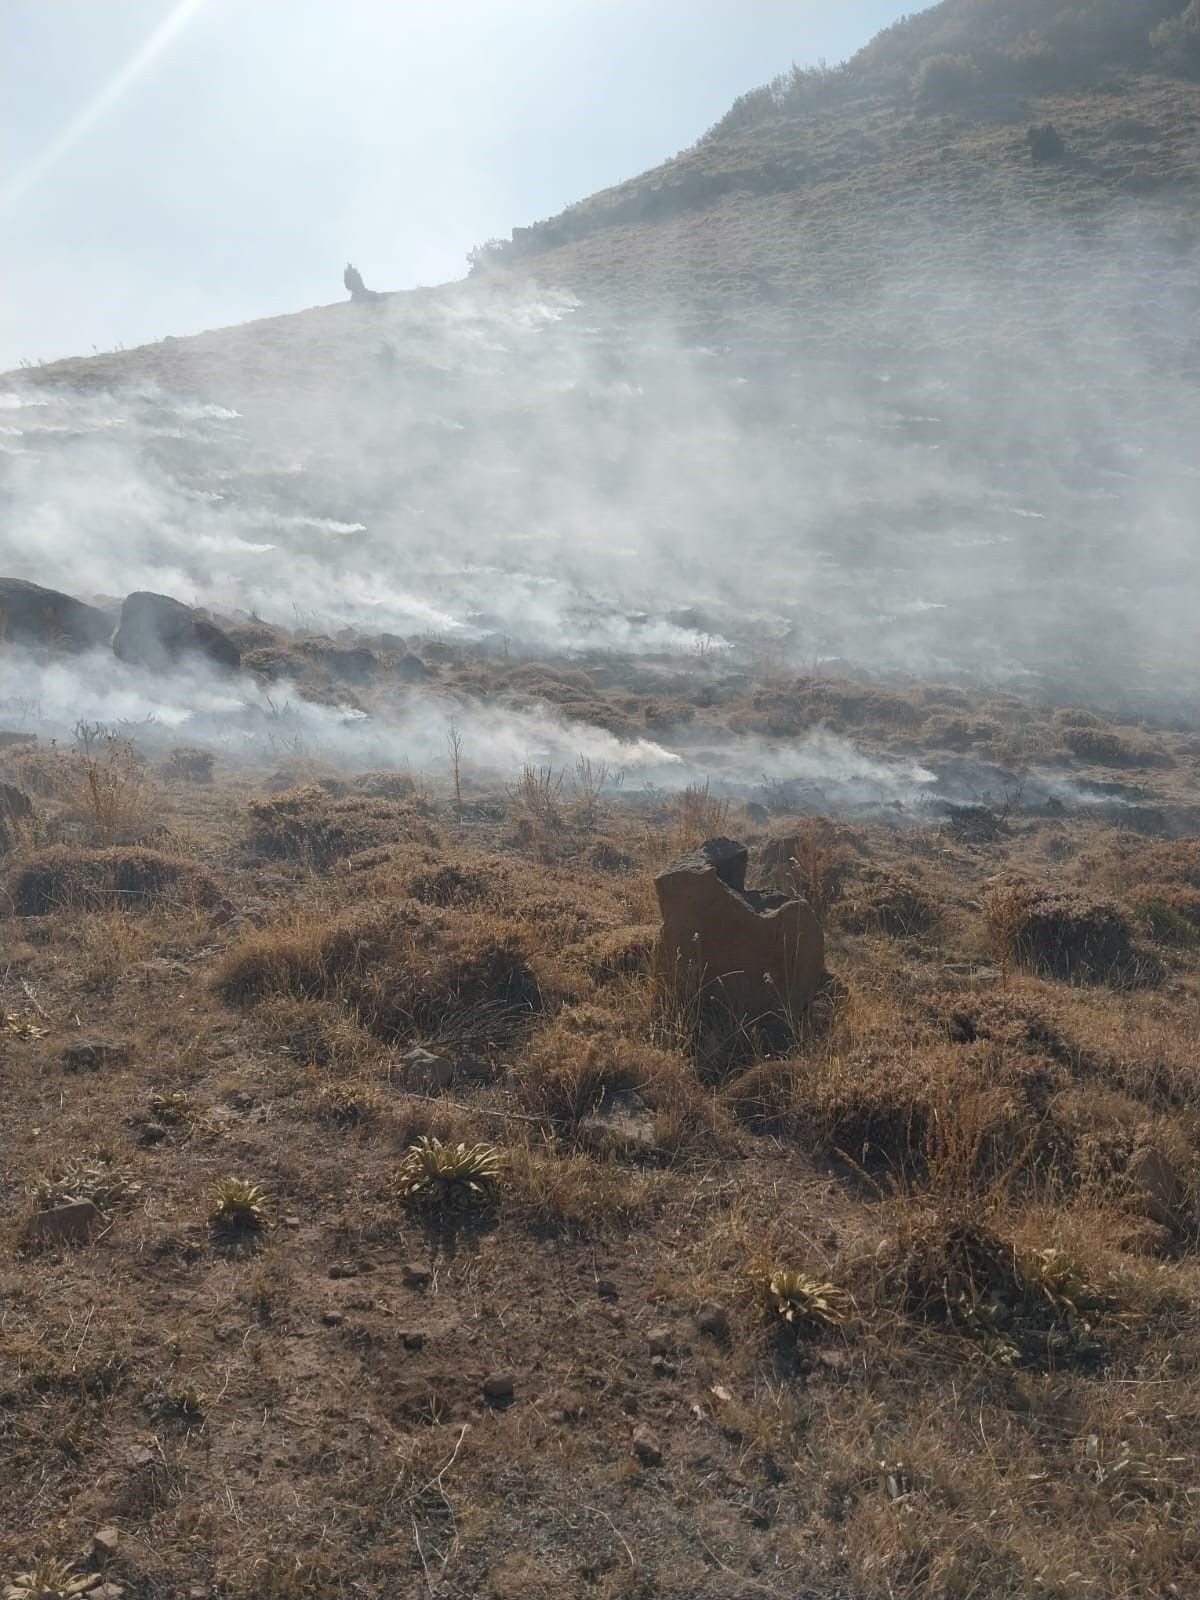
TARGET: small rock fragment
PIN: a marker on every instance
(607, 1289)
(646, 1447)
(415, 1275)
(713, 1319)
(660, 1341)
(413, 1340)
(105, 1542)
(343, 1269)
(89, 1055)
(424, 1073)
(499, 1387)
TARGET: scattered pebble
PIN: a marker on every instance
(499, 1387)
(646, 1447)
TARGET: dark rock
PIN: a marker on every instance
(498, 1388)
(332, 1319)
(72, 1223)
(31, 615)
(343, 1269)
(607, 1289)
(89, 1055)
(426, 1073)
(413, 1340)
(660, 1341)
(105, 1543)
(157, 632)
(645, 1447)
(15, 804)
(713, 1319)
(416, 1276)
(761, 954)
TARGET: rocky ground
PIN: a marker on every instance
(977, 1153)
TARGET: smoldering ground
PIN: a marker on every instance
(504, 467)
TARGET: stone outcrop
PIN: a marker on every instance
(46, 619)
(762, 954)
(157, 632)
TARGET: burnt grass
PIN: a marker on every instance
(952, 1137)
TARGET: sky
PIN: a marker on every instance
(168, 166)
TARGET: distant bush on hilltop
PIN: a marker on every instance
(945, 54)
(943, 80)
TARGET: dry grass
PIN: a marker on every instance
(978, 1379)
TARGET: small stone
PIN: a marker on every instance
(68, 1224)
(424, 1073)
(413, 1340)
(416, 1276)
(289, 1222)
(343, 1269)
(660, 1341)
(646, 1447)
(661, 1367)
(498, 1388)
(332, 1319)
(105, 1542)
(713, 1319)
(89, 1055)
(607, 1289)
(153, 1133)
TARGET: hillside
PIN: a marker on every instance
(406, 1193)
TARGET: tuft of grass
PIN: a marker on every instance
(449, 1177)
(50, 1579)
(238, 1206)
(807, 1305)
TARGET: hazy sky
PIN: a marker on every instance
(173, 165)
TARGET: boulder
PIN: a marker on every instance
(31, 615)
(157, 631)
(762, 955)
(72, 1223)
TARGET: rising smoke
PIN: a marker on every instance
(981, 472)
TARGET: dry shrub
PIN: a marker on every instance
(618, 953)
(695, 815)
(566, 1075)
(1075, 937)
(110, 793)
(319, 829)
(121, 877)
(186, 764)
(314, 1033)
(537, 797)
(1037, 1306)
(814, 860)
(886, 902)
(403, 975)
(448, 885)
(573, 1193)
(1104, 748)
(386, 785)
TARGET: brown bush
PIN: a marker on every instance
(1073, 936)
(619, 953)
(309, 825)
(885, 902)
(404, 975)
(122, 877)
